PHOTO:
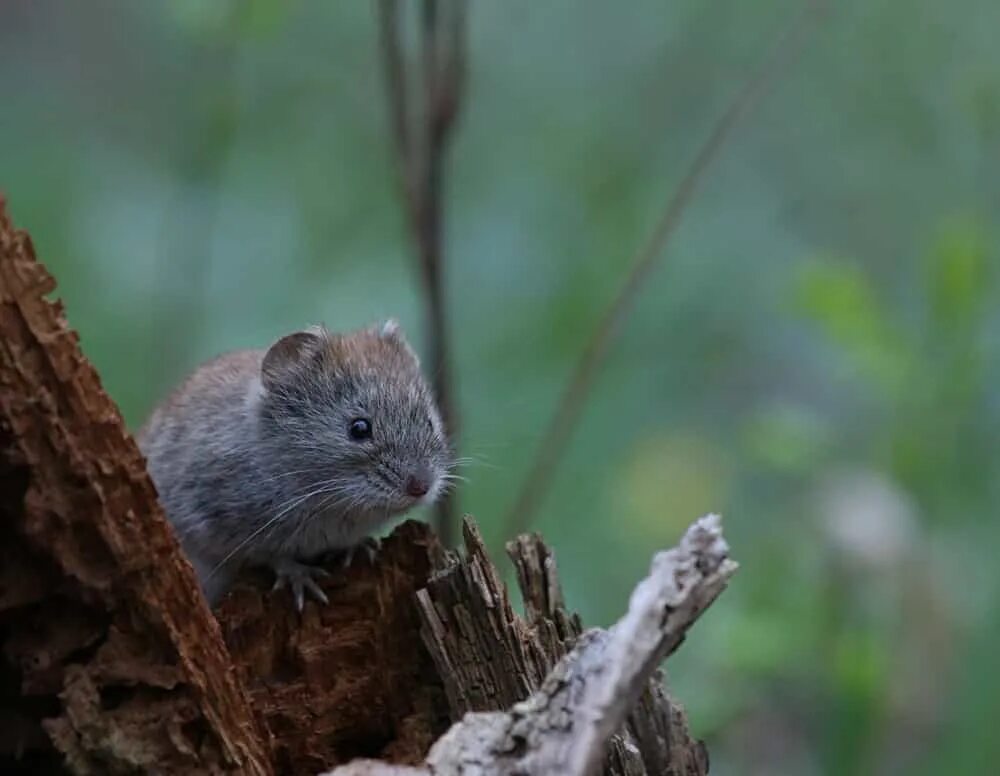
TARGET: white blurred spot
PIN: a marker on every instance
(867, 517)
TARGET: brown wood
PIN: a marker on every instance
(111, 657)
(350, 678)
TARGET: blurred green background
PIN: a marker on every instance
(817, 358)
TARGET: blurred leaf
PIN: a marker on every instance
(197, 17)
(860, 664)
(769, 643)
(264, 16)
(839, 297)
(859, 674)
(215, 19)
(788, 438)
(958, 274)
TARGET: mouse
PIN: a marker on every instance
(279, 456)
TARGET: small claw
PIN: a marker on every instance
(369, 546)
(300, 577)
(315, 589)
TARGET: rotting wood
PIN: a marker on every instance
(111, 660)
(487, 655)
(349, 678)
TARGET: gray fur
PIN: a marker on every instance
(252, 458)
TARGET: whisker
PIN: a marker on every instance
(282, 475)
(472, 461)
(335, 497)
(257, 532)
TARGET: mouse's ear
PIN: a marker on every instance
(390, 331)
(287, 355)
(389, 328)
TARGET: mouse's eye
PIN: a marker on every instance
(360, 428)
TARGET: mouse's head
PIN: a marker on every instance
(352, 415)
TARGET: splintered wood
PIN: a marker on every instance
(601, 706)
(602, 687)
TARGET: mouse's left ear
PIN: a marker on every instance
(287, 356)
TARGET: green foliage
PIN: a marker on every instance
(839, 297)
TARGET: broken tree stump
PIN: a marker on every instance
(111, 662)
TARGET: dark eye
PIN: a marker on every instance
(360, 428)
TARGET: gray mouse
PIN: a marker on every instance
(275, 457)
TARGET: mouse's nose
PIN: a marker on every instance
(417, 485)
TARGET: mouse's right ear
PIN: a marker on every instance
(286, 356)
(389, 330)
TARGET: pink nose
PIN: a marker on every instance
(417, 486)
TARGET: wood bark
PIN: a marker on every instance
(110, 661)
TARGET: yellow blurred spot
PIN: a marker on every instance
(669, 481)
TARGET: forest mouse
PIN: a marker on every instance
(274, 457)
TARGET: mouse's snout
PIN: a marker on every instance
(418, 483)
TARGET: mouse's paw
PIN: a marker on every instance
(368, 547)
(299, 577)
